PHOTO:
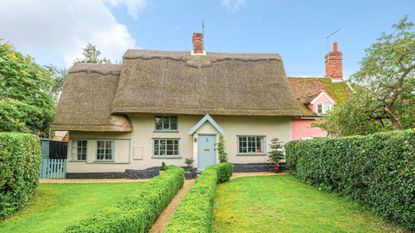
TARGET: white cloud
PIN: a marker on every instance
(233, 5)
(56, 31)
(134, 7)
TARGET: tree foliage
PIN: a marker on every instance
(58, 77)
(384, 97)
(91, 55)
(26, 103)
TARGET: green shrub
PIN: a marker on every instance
(20, 157)
(195, 213)
(138, 211)
(378, 170)
(224, 171)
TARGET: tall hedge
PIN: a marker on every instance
(377, 170)
(20, 158)
(138, 211)
(195, 213)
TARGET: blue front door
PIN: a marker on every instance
(206, 151)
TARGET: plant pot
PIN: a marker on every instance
(277, 168)
(190, 174)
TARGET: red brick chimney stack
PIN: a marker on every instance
(198, 44)
(334, 64)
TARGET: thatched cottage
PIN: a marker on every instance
(168, 106)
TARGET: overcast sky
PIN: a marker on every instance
(54, 31)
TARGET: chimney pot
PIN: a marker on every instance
(335, 47)
(197, 43)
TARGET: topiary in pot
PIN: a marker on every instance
(276, 154)
(190, 173)
(163, 166)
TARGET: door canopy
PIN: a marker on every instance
(206, 118)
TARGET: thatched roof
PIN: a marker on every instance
(305, 89)
(216, 84)
(96, 97)
(85, 102)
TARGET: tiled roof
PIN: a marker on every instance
(304, 89)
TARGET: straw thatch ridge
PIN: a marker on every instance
(96, 68)
(218, 84)
(85, 102)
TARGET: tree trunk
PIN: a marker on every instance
(396, 122)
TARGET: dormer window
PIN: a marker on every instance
(324, 108)
(322, 103)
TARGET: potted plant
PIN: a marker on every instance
(163, 167)
(190, 173)
(276, 154)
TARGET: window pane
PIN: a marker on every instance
(159, 125)
(173, 122)
(319, 108)
(166, 123)
(104, 150)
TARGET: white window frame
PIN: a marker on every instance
(169, 124)
(325, 108)
(157, 152)
(75, 149)
(263, 145)
(105, 150)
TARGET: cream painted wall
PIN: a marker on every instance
(135, 150)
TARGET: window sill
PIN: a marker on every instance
(166, 131)
(166, 157)
(252, 154)
(104, 161)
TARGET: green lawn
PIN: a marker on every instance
(284, 204)
(56, 206)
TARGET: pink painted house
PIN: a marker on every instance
(318, 95)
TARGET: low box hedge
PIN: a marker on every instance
(195, 213)
(138, 211)
(20, 158)
(378, 170)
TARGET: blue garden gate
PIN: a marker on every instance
(53, 159)
(53, 168)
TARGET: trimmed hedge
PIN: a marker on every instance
(195, 213)
(20, 158)
(136, 212)
(378, 170)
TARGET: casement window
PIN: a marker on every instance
(324, 108)
(166, 123)
(166, 147)
(105, 150)
(251, 145)
(79, 149)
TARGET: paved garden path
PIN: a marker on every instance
(168, 212)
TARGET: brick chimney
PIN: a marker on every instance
(198, 44)
(334, 64)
